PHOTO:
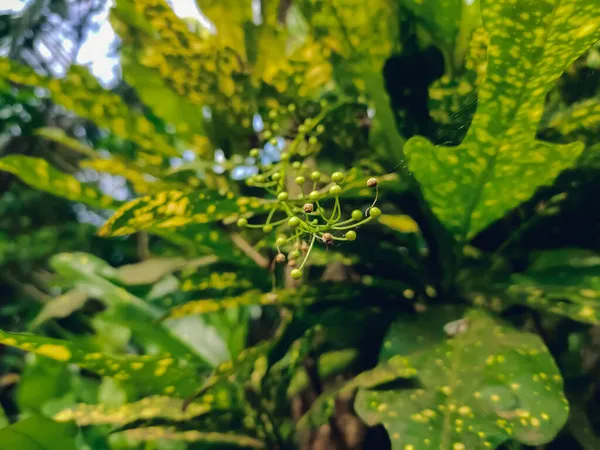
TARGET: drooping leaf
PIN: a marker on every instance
(486, 384)
(212, 437)
(59, 136)
(154, 374)
(500, 163)
(173, 209)
(38, 433)
(79, 91)
(39, 174)
(152, 270)
(61, 306)
(148, 408)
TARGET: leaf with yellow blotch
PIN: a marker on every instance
(152, 407)
(400, 222)
(485, 384)
(38, 173)
(500, 163)
(211, 437)
(80, 92)
(583, 116)
(59, 136)
(174, 209)
(153, 374)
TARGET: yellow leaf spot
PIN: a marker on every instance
(53, 351)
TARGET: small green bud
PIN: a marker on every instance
(357, 215)
(320, 128)
(276, 176)
(314, 222)
(280, 242)
(267, 134)
(255, 153)
(315, 176)
(296, 274)
(291, 108)
(301, 129)
(260, 178)
(273, 142)
(337, 177)
(275, 127)
(294, 254)
(312, 140)
(296, 165)
(283, 196)
(242, 222)
(374, 212)
(335, 190)
(351, 235)
(300, 180)
(293, 222)
(314, 196)
(267, 228)
(272, 114)
(285, 156)
(308, 122)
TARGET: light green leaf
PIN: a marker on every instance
(38, 433)
(211, 437)
(486, 384)
(80, 92)
(59, 136)
(61, 306)
(581, 116)
(38, 173)
(152, 270)
(500, 163)
(153, 407)
(152, 374)
(174, 209)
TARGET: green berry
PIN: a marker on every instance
(275, 127)
(374, 212)
(312, 140)
(335, 190)
(255, 152)
(301, 129)
(285, 156)
(242, 222)
(273, 142)
(320, 128)
(315, 176)
(276, 176)
(308, 122)
(294, 254)
(291, 108)
(314, 196)
(296, 165)
(272, 114)
(357, 215)
(267, 228)
(337, 177)
(300, 180)
(351, 235)
(267, 134)
(296, 274)
(280, 242)
(293, 222)
(314, 222)
(260, 178)
(283, 196)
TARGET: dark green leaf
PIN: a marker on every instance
(38, 433)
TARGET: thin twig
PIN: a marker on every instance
(250, 251)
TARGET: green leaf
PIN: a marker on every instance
(59, 136)
(38, 433)
(153, 374)
(485, 385)
(581, 116)
(500, 163)
(80, 92)
(38, 173)
(440, 17)
(174, 209)
(61, 306)
(146, 409)
(152, 270)
(211, 437)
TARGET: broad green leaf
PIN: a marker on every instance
(387, 372)
(174, 209)
(80, 92)
(152, 374)
(38, 433)
(59, 136)
(229, 18)
(211, 437)
(441, 18)
(583, 116)
(148, 408)
(39, 174)
(486, 384)
(152, 270)
(500, 163)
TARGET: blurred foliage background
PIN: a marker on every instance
(178, 327)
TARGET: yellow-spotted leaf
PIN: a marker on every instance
(209, 437)
(400, 222)
(500, 163)
(229, 18)
(387, 372)
(583, 116)
(59, 136)
(152, 374)
(174, 209)
(153, 407)
(80, 92)
(39, 174)
(483, 385)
